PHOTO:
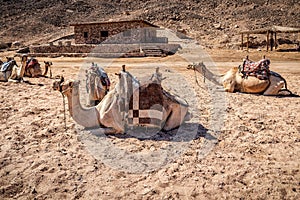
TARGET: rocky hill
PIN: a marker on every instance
(212, 23)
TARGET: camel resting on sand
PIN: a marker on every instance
(234, 81)
(132, 103)
(10, 71)
(33, 67)
(97, 84)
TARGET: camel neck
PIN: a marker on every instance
(209, 75)
(86, 117)
(22, 70)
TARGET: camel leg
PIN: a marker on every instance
(276, 84)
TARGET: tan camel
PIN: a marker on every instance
(233, 81)
(97, 84)
(47, 67)
(33, 68)
(131, 103)
(18, 72)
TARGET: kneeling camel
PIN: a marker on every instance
(131, 103)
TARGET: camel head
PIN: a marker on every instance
(24, 58)
(194, 66)
(61, 85)
(13, 63)
(48, 63)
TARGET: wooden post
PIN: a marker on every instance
(267, 40)
(248, 42)
(242, 41)
(275, 40)
(271, 41)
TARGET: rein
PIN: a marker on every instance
(64, 102)
(195, 75)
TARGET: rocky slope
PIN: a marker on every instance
(210, 22)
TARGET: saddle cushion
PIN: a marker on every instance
(258, 69)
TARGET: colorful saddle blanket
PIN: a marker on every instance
(258, 69)
(31, 63)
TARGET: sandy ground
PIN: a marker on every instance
(240, 146)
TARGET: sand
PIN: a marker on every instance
(237, 146)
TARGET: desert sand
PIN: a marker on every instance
(240, 146)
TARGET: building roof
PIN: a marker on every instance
(277, 29)
(113, 22)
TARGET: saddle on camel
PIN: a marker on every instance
(260, 69)
(32, 68)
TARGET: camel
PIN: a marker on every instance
(233, 81)
(33, 68)
(132, 103)
(97, 84)
(10, 70)
(47, 67)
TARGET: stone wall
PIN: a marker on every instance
(101, 50)
(135, 31)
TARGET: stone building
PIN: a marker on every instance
(135, 38)
(116, 32)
